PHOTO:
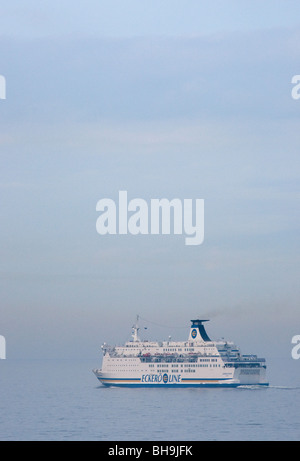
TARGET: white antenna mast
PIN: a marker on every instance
(135, 330)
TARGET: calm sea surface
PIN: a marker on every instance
(63, 401)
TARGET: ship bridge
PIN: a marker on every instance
(197, 331)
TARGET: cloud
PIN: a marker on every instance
(59, 80)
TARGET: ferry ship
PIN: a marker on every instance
(197, 362)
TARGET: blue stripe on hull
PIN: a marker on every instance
(224, 385)
(120, 379)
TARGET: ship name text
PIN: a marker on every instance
(162, 377)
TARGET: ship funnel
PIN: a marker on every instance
(197, 331)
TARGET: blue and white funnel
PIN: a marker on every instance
(197, 331)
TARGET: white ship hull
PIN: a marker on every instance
(178, 380)
(198, 362)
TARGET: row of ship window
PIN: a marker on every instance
(187, 366)
(134, 359)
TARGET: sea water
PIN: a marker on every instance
(62, 400)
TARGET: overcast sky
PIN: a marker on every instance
(162, 99)
(119, 18)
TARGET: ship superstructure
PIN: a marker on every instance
(197, 362)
